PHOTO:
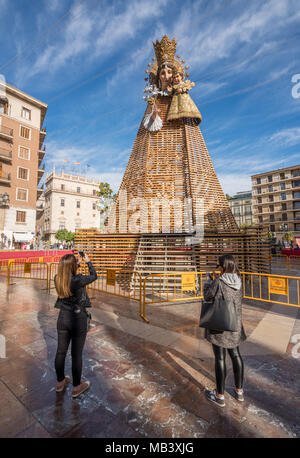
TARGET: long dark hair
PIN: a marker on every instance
(66, 268)
(228, 264)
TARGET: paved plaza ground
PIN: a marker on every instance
(147, 380)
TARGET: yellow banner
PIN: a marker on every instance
(278, 285)
(111, 277)
(188, 282)
(27, 268)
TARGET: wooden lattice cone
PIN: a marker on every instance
(173, 163)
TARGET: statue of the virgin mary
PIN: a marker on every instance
(169, 159)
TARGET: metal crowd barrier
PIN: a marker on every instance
(170, 287)
(164, 287)
(28, 270)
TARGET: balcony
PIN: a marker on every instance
(41, 172)
(39, 192)
(5, 155)
(43, 133)
(5, 178)
(41, 154)
(6, 133)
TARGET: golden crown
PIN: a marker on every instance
(165, 50)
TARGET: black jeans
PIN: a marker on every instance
(220, 367)
(70, 327)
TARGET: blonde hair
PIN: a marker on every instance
(66, 268)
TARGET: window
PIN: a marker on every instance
(22, 194)
(248, 209)
(24, 153)
(23, 174)
(284, 217)
(94, 206)
(78, 190)
(271, 198)
(272, 218)
(271, 207)
(272, 228)
(259, 209)
(78, 204)
(296, 205)
(283, 196)
(297, 227)
(296, 215)
(25, 132)
(283, 206)
(20, 217)
(94, 192)
(258, 180)
(62, 202)
(282, 176)
(296, 184)
(282, 186)
(26, 114)
(258, 190)
(270, 187)
(270, 179)
(259, 200)
(61, 225)
(296, 173)
(296, 195)
(260, 219)
(62, 187)
(3, 107)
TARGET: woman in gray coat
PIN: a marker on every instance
(230, 284)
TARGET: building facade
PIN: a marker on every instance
(70, 203)
(276, 200)
(241, 207)
(21, 155)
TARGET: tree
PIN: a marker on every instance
(61, 235)
(64, 235)
(228, 197)
(107, 196)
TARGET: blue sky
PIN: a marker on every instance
(89, 66)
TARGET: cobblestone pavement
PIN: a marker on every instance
(147, 380)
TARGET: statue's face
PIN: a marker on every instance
(165, 77)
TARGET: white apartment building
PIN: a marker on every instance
(276, 200)
(241, 207)
(70, 203)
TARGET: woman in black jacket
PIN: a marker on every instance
(228, 284)
(72, 319)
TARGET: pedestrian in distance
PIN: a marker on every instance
(72, 320)
(229, 284)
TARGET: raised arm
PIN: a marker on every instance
(83, 280)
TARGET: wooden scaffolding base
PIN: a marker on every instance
(150, 253)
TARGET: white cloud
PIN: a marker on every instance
(288, 137)
(234, 182)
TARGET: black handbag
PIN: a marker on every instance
(219, 315)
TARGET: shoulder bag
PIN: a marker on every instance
(219, 315)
